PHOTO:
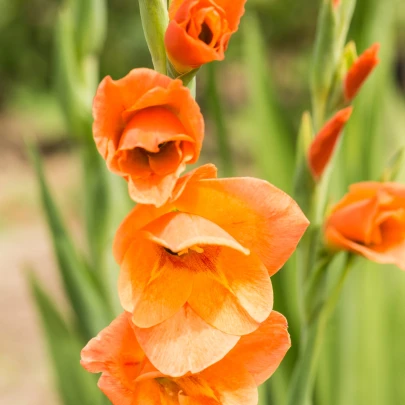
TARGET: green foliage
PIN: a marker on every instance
(76, 386)
(82, 287)
(271, 141)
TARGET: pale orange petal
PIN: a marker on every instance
(184, 343)
(154, 189)
(114, 346)
(177, 231)
(262, 351)
(232, 383)
(258, 215)
(145, 392)
(236, 296)
(150, 286)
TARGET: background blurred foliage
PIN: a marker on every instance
(262, 88)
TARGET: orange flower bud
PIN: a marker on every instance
(335, 3)
(128, 377)
(360, 70)
(147, 127)
(199, 31)
(370, 220)
(323, 146)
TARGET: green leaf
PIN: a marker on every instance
(75, 385)
(90, 26)
(271, 141)
(82, 288)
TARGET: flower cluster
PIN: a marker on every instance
(197, 252)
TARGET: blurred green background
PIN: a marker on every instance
(252, 104)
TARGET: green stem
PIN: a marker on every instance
(305, 370)
(218, 116)
(155, 19)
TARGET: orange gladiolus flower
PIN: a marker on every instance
(323, 146)
(370, 220)
(360, 70)
(195, 272)
(199, 31)
(147, 127)
(129, 378)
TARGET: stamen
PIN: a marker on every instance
(196, 248)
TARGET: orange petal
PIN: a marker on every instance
(151, 127)
(112, 98)
(154, 189)
(323, 146)
(356, 220)
(232, 383)
(358, 192)
(184, 343)
(236, 297)
(386, 255)
(178, 100)
(113, 346)
(141, 215)
(224, 383)
(185, 43)
(208, 171)
(178, 231)
(360, 70)
(144, 110)
(258, 215)
(145, 392)
(234, 10)
(167, 160)
(150, 286)
(133, 162)
(262, 351)
(185, 52)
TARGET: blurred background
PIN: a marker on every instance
(252, 104)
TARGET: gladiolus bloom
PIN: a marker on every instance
(199, 266)
(129, 378)
(147, 127)
(370, 220)
(324, 144)
(360, 70)
(199, 31)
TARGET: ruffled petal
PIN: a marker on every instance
(258, 215)
(262, 351)
(184, 343)
(178, 231)
(236, 297)
(150, 286)
(145, 393)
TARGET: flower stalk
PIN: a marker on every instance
(155, 19)
(305, 371)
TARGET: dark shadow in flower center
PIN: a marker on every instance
(170, 252)
(206, 34)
